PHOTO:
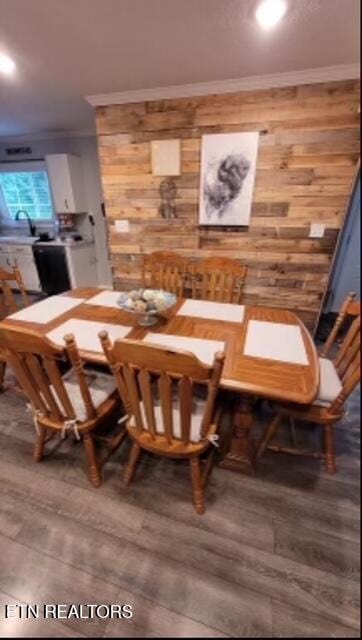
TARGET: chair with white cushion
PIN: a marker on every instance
(168, 414)
(9, 303)
(350, 309)
(338, 378)
(77, 402)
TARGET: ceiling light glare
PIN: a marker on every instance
(269, 12)
(7, 65)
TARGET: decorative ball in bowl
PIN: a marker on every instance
(146, 303)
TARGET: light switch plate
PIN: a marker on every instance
(316, 230)
(122, 226)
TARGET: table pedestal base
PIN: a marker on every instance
(241, 454)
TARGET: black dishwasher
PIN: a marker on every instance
(52, 268)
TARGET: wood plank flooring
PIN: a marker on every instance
(275, 555)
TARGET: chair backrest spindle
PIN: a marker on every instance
(165, 392)
(218, 279)
(144, 385)
(116, 370)
(77, 363)
(164, 270)
(348, 345)
(347, 363)
(349, 308)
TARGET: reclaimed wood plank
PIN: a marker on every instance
(308, 153)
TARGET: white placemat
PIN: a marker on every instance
(275, 341)
(86, 333)
(204, 350)
(212, 310)
(46, 310)
(105, 299)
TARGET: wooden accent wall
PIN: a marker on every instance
(309, 149)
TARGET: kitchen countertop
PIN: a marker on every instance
(62, 243)
(28, 240)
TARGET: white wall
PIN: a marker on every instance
(86, 149)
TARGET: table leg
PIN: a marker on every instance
(240, 456)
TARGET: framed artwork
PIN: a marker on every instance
(166, 157)
(228, 165)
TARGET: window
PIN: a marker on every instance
(28, 189)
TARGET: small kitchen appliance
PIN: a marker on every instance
(67, 228)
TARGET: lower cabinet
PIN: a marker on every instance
(82, 265)
(52, 268)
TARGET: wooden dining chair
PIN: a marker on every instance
(77, 402)
(350, 309)
(168, 416)
(9, 303)
(8, 300)
(218, 279)
(338, 378)
(164, 270)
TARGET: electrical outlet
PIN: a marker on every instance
(316, 230)
(122, 226)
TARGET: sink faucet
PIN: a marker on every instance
(31, 225)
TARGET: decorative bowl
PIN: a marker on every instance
(146, 304)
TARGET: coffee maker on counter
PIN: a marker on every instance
(67, 229)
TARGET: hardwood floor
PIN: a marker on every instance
(275, 555)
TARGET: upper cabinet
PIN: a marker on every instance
(66, 182)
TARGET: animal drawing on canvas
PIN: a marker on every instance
(228, 167)
(223, 182)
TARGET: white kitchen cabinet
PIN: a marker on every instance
(82, 265)
(29, 273)
(66, 183)
(22, 256)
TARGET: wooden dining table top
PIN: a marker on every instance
(273, 379)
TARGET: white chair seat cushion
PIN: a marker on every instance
(330, 385)
(198, 408)
(101, 386)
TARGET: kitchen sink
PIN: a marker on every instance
(18, 239)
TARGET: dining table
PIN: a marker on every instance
(269, 353)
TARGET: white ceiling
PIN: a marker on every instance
(67, 49)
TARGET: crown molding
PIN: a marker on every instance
(47, 135)
(251, 83)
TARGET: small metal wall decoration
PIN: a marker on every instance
(168, 192)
